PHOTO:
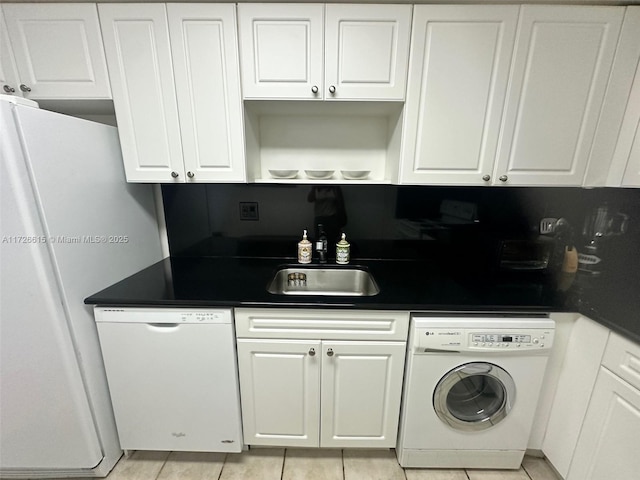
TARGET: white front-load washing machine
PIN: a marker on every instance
(471, 390)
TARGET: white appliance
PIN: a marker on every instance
(173, 378)
(70, 226)
(471, 390)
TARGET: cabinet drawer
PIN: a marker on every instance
(321, 324)
(622, 357)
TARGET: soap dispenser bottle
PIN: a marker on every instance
(343, 251)
(304, 249)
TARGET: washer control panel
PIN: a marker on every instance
(439, 338)
(517, 340)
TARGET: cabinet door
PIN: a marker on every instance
(577, 377)
(632, 172)
(366, 51)
(281, 50)
(560, 70)
(207, 77)
(460, 57)
(628, 147)
(136, 40)
(608, 157)
(9, 84)
(58, 50)
(361, 390)
(609, 443)
(280, 391)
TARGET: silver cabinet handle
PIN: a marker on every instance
(174, 174)
(191, 174)
(330, 352)
(486, 178)
(503, 178)
(332, 89)
(312, 352)
(314, 89)
(24, 88)
(9, 89)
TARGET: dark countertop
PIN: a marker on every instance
(404, 285)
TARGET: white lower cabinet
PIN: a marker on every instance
(360, 393)
(575, 383)
(279, 388)
(307, 393)
(609, 443)
(319, 391)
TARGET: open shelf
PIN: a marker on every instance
(299, 135)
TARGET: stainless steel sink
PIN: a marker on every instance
(337, 281)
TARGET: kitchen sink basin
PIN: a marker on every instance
(330, 281)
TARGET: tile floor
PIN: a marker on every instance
(303, 464)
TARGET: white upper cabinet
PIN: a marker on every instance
(628, 148)
(57, 49)
(281, 50)
(632, 172)
(348, 52)
(366, 51)
(9, 84)
(207, 80)
(176, 91)
(625, 165)
(458, 75)
(561, 65)
(136, 40)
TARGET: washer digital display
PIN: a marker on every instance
(500, 338)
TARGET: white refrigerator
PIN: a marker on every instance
(70, 226)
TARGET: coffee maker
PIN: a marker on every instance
(601, 228)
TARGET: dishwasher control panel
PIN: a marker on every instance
(162, 315)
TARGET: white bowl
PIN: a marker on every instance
(283, 173)
(355, 174)
(319, 174)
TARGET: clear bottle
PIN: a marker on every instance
(304, 249)
(343, 251)
(321, 244)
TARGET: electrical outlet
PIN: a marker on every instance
(548, 225)
(249, 211)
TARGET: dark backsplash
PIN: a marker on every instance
(385, 221)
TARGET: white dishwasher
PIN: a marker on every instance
(173, 378)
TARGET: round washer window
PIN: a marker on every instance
(474, 396)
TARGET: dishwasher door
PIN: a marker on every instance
(173, 378)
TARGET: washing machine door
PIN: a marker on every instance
(474, 396)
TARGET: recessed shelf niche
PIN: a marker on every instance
(299, 135)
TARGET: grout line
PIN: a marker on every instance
(163, 464)
(284, 459)
(344, 477)
(224, 462)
